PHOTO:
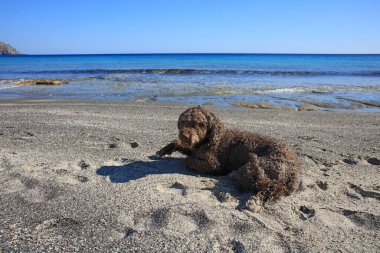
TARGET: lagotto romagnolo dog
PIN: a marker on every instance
(260, 164)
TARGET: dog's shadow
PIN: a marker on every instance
(139, 169)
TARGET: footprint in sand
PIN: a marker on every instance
(57, 227)
(83, 165)
(129, 232)
(241, 228)
(366, 220)
(156, 219)
(160, 218)
(350, 161)
(308, 138)
(25, 136)
(373, 161)
(71, 172)
(356, 160)
(180, 221)
(322, 185)
(363, 193)
(82, 179)
(201, 219)
(112, 145)
(175, 188)
(30, 189)
(238, 247)
(6, 165)
(306, 212)
(57, 223)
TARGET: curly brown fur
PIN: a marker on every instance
(262, 165)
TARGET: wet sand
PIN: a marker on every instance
(82, 176)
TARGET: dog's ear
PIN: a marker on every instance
(214, 127)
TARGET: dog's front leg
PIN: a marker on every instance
(172, 147)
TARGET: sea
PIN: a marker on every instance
(286, 81)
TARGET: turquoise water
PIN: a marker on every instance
(327, 82)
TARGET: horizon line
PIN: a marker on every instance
(49, 54)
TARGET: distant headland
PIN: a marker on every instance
(6, 49)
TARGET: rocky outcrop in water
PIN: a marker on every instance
(6, 49)
(48, 81)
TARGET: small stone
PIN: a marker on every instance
(134, 144)
(112, 145)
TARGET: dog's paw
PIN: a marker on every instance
(167, 150)
(163, 152)
(154, 157)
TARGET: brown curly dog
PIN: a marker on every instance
(262, 165)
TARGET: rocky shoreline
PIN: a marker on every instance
(6, 49)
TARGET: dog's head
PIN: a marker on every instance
(196, 125)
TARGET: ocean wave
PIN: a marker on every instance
(317, 90)
(203, 72)
(4, 86)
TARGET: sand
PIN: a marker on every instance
(82, 176)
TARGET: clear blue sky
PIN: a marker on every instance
(170, 26)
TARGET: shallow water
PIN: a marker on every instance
(327, 82)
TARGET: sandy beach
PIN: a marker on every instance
(81, 176)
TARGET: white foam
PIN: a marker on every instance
(4, 86)
(286, 90)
